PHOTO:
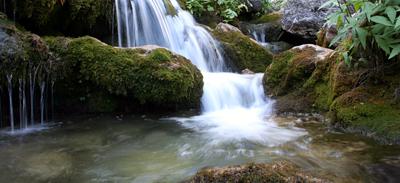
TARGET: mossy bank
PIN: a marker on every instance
(309, 78)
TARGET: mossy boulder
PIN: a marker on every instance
(310, 78)
(21, 51)
(280, 171)
(66, 17)
(145, 76)
(290, 70)
(243, 52)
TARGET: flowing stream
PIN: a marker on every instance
(236, 124)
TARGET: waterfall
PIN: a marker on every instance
(230, 101)
(10, 98)
(146, 22)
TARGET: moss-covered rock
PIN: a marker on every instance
(244, 52)
(151, 75)
(21, 51)
(274, 17)
(314, 79)
(280, 171)
(291, 70)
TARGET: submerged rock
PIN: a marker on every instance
(108, 78)
(243, 52)
(305, 17)
(280, 171)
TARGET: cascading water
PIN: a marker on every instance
(234, 106)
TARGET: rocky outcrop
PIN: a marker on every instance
(144, 76)
(280, 171)
(304, 17)
(243, 52)
(310, 78)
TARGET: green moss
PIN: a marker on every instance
(244, 52)
(72, 17)
(101, 102)
(160, 55)
(151, 77)
(170, 8)
(268, 18)
(277, 71)
(380, 118)
(182, 3)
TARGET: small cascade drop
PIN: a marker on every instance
(10, 98)
(230, 101)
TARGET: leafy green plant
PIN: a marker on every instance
(368, 26)
(228, 10)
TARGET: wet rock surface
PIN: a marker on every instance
(280, 171)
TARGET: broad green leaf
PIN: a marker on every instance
(336, 39)
(381, 20)
(362, 35)
(397, 26)
(368, 9)
(395, 51)
(346, 58)
(383, 44)
(391, 13)
(378, 28)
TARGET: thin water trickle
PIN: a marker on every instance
(10, 99)
(42, 104)
(24, 106)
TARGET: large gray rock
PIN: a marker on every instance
(224, 27)
(304, 17)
